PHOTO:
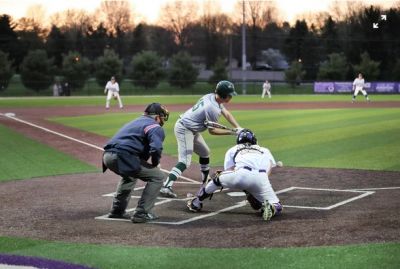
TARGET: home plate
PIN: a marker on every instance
(236, 193)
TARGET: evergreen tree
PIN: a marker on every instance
(75, 69)
(182, 73)
(334, 69)
(146, 69)
(368, 67)
(6, 71)
(37, 70)
(107, 66)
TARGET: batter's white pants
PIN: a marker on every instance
(110, 95)
(254, 182)
(189, 142)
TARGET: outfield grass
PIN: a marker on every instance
(335, 138)
(27, 158)
(114, 256)
(176, 99)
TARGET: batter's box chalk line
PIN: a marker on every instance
(360, 194)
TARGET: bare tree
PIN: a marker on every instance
(178, 15)
(257, 13)
(116, 16)
(37, 13)
(73, 19)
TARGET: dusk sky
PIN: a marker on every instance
(150, 9)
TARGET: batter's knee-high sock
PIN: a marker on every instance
(174, 174)
(204, 168)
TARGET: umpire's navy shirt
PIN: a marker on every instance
(142, 137)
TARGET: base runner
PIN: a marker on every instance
(188, 130)
(247, 167)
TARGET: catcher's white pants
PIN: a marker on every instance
(112, 94)
(254, 182)
(357, 90)
(189, 142)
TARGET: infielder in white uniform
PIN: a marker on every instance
(112, 90)
(358, 86)
(246, 167)
(266, 89)
(188, 130)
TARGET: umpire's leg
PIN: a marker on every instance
(154, 178)
(124, 188)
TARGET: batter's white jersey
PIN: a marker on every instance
(207, 108)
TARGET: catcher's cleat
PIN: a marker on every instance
(142, 217)
(269, 210)
(192, 207)
(168, 192)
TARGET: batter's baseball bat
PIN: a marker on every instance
(212, 124)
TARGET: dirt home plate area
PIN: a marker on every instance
(321, 206)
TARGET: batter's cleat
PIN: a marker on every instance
(142, 217)
(192, 207)
(119, 216)
(168, 192)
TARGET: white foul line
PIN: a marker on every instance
(79, 141)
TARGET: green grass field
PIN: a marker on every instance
(335, 138)
(338, 138)
(12, 102)
(122, 257)
(27, 158)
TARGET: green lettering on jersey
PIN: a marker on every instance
(197, 105)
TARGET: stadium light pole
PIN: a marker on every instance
(244, 61)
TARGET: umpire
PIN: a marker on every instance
(127, 153)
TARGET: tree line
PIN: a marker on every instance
(325, 46)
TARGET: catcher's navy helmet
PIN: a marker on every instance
(246, 136)
(225, 88)
(157, 109)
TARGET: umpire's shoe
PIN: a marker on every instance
(192, 207)
(168, 192)
(142, 217)
(118, 216)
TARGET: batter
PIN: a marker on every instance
(188, 130)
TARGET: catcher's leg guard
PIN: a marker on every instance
(254, 203)
(201, 194)
(215, 178)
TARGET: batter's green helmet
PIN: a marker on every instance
(225, 88)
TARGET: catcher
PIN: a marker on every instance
(247, 167)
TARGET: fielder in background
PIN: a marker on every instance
(246, 167)
(112, 91)
(188, 130)
(358, 86)
(127, 153)
(266, 89)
